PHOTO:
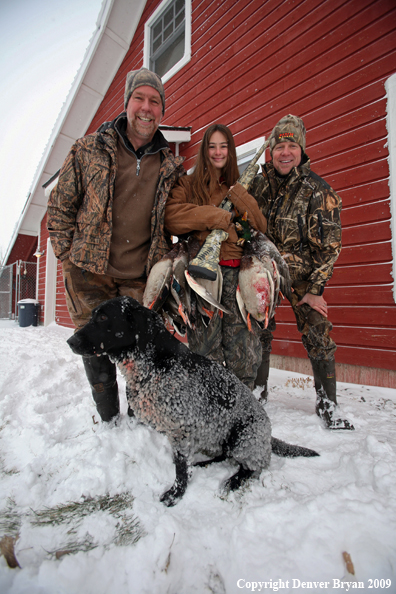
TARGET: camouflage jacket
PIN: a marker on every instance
(79, 213)
(303, 215)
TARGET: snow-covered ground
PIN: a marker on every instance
(84, 496)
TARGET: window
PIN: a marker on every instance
(246, 152)
(167, 38)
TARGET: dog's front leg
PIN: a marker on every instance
(178, 488)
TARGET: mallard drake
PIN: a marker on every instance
(178, 287)
(168, 289)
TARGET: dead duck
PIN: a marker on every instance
(159, 280)
(263, 279)
(168, 289)
(179, 288)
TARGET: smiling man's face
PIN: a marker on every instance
(144, 112)
(285, 156)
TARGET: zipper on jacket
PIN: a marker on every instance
(300, 228)
(138, 161)
(320, 227)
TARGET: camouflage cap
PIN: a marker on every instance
(289, 128)
(141, 78)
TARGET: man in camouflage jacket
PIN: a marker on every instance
(303, 216)
(106, 215)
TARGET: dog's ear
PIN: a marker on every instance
(144, 322)
(131, 309)
(129, 303)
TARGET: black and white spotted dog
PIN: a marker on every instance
(197, 403)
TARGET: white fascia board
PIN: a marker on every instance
(32, 219)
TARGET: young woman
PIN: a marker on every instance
(193, 207)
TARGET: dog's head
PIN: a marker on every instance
(116, 326)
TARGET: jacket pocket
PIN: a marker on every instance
(72, 300)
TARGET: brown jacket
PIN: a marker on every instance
(181, 216)
(79, 215)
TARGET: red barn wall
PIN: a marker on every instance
(61, 313)
(42, 264)
(23, 249)
(326, 61)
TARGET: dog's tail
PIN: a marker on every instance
(287, 450)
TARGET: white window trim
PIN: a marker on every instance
(251, 147)
(390, 86)
(187, 39)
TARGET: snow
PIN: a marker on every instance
(282, 532)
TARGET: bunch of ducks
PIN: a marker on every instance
(180, 298)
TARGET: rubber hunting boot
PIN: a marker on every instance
(262, 376)
(326, 401)
(102, 376)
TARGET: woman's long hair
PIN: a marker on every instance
(204, 178)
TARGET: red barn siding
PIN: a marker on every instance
(42, 264)
(327, 61)
(61, 313)
(23, 249)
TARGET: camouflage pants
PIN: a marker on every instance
(315, 330)
(226, 339)
(86, 290)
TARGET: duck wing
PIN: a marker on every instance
(203, 292)
(159, 281)
(179, 288)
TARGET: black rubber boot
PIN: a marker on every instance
(326, 400)
(129, 397)
(102, 376)
(262, 376)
